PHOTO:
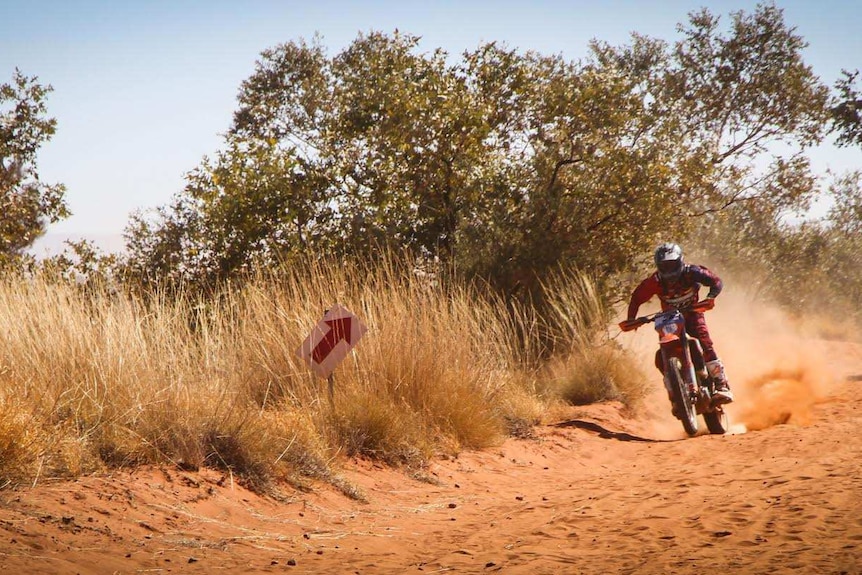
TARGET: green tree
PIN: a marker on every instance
(847, 110)
(391, 134)
(579, 157)
(731, 97)
(28, 204)
(810, 267)
(504, 165)
(252, 205)
(644, 141)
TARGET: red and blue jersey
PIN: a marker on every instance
(683, 291)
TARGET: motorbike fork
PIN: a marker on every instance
(688, 366)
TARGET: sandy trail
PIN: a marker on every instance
(593, 493)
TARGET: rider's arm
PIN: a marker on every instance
(642, 294)
(704, 276)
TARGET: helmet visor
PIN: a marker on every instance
(669, 268)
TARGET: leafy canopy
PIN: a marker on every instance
(27, 205)
(505, 164)
(847, 110)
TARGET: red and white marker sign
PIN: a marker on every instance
(331, 340)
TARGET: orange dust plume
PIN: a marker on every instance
(780, 397)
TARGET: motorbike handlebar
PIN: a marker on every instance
(632, 324)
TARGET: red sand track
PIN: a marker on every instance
(596, 493)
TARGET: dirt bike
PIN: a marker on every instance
(688, 383)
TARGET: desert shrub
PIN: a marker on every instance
(20, 444)
(112, 379)
(812, 269)
(604, 373)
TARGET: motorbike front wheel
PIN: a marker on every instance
(688, 412)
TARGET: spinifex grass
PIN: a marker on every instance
(588, 366)
(93, 378)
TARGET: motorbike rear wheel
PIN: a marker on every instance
(681, 397)
(717, 421)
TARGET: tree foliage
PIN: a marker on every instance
(505, 164)
(812, 267)
(847, 110)
(27, 203)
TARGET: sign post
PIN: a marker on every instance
(330, 341)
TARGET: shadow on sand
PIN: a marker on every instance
(605, 433)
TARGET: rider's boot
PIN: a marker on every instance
(722, 388)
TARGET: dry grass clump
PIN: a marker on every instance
(110, 380)
(603, 373)
(591, 367)
(94, 378)
(372, 426)
(19, 442)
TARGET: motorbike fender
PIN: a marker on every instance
(667, 338)
(670, 331)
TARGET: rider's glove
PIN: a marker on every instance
(708, 303)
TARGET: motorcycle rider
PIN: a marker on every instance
(677, 284)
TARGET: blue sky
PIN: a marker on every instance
(143, 89)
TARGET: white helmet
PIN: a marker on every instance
(668, 261)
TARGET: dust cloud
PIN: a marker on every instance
(777, 366)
